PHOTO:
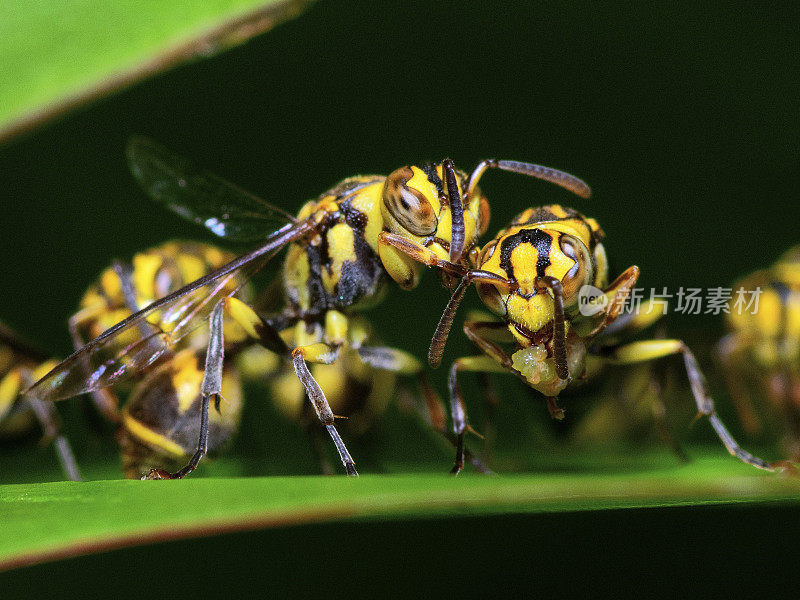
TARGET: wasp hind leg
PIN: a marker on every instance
(209, 388)
(645, 351)
(48, 419)
(325, 354)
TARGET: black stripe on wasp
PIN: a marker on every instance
(341, 247)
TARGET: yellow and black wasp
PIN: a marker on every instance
(341, 246)
(20, 365)
(760, 356)
(159, 423)
(546, 276)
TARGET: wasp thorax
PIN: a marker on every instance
(408, 206)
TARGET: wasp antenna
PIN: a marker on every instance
(446, 322)
(560, 178)
(456, 211)
(559, 329)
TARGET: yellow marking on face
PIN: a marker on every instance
(145, 267)
(523, 259)
(149, 437)
(533, 313)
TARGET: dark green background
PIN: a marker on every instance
(682, 118)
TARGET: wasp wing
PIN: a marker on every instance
(200, 196)
(132, 345)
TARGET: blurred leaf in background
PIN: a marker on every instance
(60, 55)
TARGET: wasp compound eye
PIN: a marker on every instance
(580, 273)
(408, 206)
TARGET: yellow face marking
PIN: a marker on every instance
(533, 313)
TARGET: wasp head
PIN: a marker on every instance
(428, 205)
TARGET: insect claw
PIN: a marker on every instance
(787, 467)
(554, 409)
(472, 431)
(218, 399)
(700, 414)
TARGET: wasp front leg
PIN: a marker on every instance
(645, 351)
(401, 258)
(210, 387)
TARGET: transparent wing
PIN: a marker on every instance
(200, 196)
(128, 348)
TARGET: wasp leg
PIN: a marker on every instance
(402, 363)
(616, 295)
(325, 354)
(210, 387)
(458, 412)
(491, 402)
(401, 258)
(45, 412)
(637, 352)
(48, 418)
(628, 325)
(317, 439)
(728, 355)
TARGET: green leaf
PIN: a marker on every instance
(55, 520)
(60, 55)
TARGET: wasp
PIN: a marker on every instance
(546, 277)
(761, 353)
(341, 247)
(21, 363)
(159, 422)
